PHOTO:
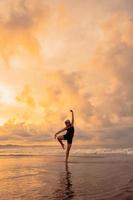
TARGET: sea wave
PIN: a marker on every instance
(38, 151)
(104, 151)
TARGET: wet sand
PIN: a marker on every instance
(106, 177)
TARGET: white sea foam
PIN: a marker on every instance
(104, 151)
(76, 151)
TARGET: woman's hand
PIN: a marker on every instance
(64, 129)
(72, 116)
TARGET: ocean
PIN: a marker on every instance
(40, 173)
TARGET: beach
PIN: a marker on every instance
(90, 176)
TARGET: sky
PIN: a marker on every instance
(57, 55)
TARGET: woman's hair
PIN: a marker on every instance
(67, 121)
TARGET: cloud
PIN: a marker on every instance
(113, 59)
(24, 14)
(64, 92)
(19, 27)
(29, 24)
(59, 59)
(52, 108)
(116, 137)
(21, 133)
(25, 97)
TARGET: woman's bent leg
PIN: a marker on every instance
(60, 138)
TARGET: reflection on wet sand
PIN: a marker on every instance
(65, 187)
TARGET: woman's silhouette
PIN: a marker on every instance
(68, 136)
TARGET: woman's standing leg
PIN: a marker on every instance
(67, 151)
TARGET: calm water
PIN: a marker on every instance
(93, 176)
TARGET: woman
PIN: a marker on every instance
(68, 136)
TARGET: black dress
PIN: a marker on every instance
(69, 134)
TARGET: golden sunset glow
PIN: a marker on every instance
(62, 55)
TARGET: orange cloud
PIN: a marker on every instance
(25, 97)
(59, 58)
